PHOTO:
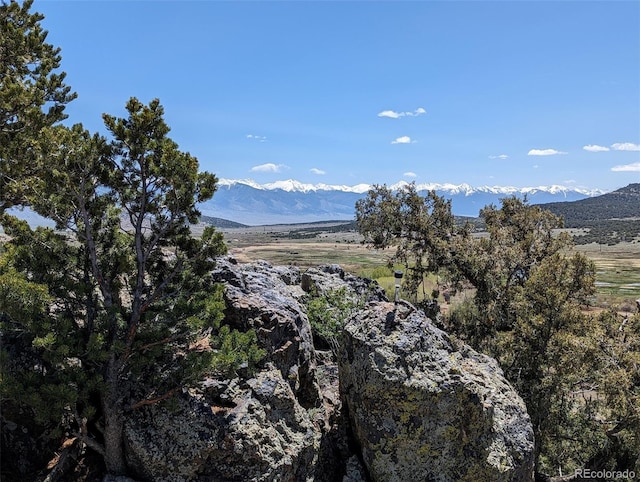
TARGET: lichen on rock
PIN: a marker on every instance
(424, 408)
(403, 401)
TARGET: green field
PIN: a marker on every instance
(617, 273)
(617, 266)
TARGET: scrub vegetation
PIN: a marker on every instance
(529, 294)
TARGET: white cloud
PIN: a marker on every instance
(501, 156)
(544, 152)
(268, 167)
(389, 113)
(403, 140)
(625, 146)
(257, 138)
(634, 167)
(595, 148)
(315, 170)
(410, 174)
(396, 115)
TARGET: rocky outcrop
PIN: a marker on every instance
(402, 402)
(281, 424)
(267, 299)
(424, 408)
(172, 443)
(332, 277)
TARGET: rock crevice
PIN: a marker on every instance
(400, 401)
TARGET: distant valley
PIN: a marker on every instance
(605, 219)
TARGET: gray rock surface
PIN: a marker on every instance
(172, 443)
(424, 408)
(267, 299)
(260, 434)
(418, 407)
(330, 277)
(282, 424)
(268, 436)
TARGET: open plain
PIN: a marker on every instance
(617, 266)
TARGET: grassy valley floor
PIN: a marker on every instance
(617, 276)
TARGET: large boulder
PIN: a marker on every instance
(422, 407)
(253, 430)
(283, 423)
(270, 436)
(172, 443)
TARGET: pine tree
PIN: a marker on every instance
(33, 94)
(113, 310)
(122, 289)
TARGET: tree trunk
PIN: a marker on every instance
(114, 423)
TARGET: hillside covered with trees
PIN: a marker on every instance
(606, 219)
(624, 203)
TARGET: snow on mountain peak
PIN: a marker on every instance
(290, 201)
(291, 185)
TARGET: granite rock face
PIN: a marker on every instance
(261, 433)
(270, 429)
(424, 408)
(402, 402)
(281, 424)
(267, 299)
(164, 444)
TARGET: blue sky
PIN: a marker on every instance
(499, 93)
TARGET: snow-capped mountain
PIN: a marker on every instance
(287, 202)
(290, 201)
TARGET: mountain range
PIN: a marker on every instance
(288, 202)
(238, 203)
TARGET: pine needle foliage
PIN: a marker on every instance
(114, 309)
(116, 305)
(33, 94)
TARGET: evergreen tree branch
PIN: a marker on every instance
(153, 401)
